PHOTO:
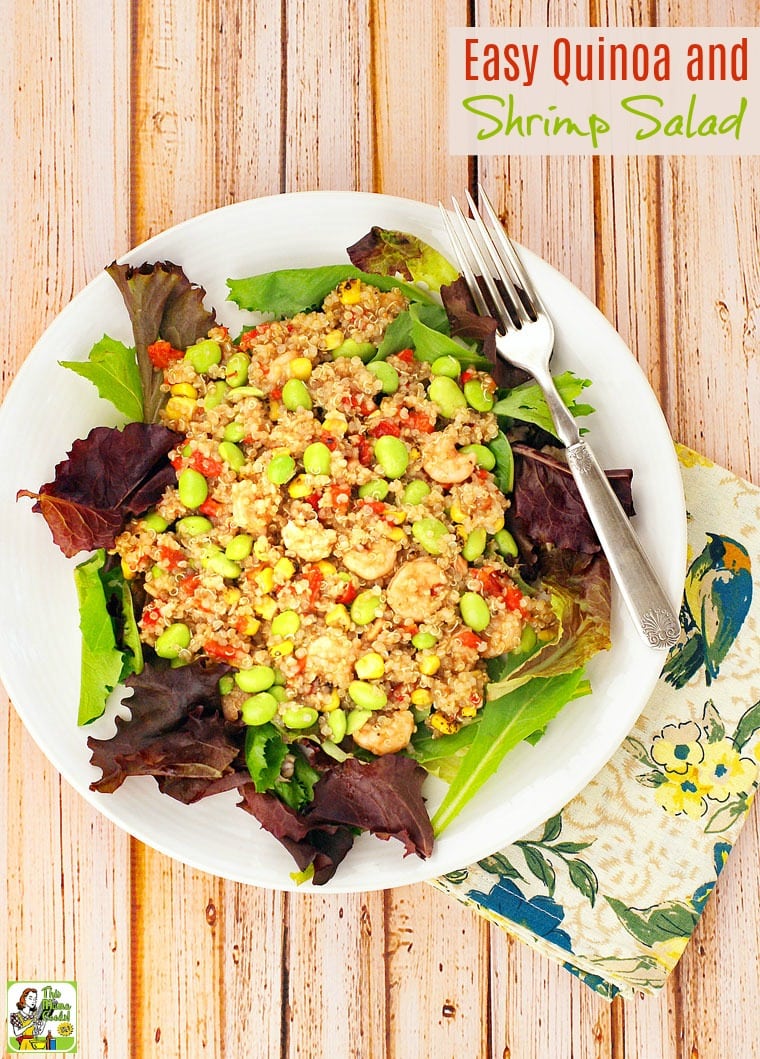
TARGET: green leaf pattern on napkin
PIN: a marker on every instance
(613, 886)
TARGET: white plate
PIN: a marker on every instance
(48, 407)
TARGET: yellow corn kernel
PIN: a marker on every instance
(332, 702)
(231, 596)
(274, 410)
(250, 627)
(370, 666)
(337, 615)
(414, 454)
(442, 724)
(395, 533)
(265, 579)
(300, 368)
(127, 571)
(266, 608)
(395, 514)
(469, 711)
(428, 665)
(421, 697)
(350, 291)
(336, 427)
(261, 547)
(456, 514)
(462, 533)
(184, 389)
(179, 408)
(497, 526)
(279, 650)
(300, 487)
(325, 568)
(284, 569)
(333, 339)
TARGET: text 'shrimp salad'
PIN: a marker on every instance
(328, 555)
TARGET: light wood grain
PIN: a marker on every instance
(121, 119)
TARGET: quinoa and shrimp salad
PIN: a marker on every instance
(335, 552)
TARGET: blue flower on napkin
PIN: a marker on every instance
(540, 914)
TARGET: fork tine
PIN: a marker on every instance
(464, 264)
(505, 316)
(509, 249)
(499, 266)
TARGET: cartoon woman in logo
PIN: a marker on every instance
(28, 1022)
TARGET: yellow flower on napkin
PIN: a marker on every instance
(682, 793)
(723, 772)
(678, 746)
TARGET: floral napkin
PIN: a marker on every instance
(614, 884)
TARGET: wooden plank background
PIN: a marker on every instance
(121, 118)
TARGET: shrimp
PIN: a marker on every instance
(250, 510)
(503, 633)
(330, 659)
(386, 733)
(311, 542)
(417, 590)
(372, 561)
(444, 462)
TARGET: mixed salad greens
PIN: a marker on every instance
(177, 732)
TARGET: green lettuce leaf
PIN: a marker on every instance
(112, 368)
(398, 333)
(393, 253)
(293, 290)
(528, 404)
(504, 471)
(102, 661)
(430, 344)
(122, 610)
(580, 597)
(298, 791)
(504, 722)
(265, 750)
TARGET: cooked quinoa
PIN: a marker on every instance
(321, 565)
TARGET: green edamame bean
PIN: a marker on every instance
(424, 640)
(528, 639)
(173, 639)
(392, 455)
(236, 373)
(447, 366)
(286, 623)
(203, 355)
(415, 492)
(299, 717)
(428, 533)
(215, 394)
(482, 454)
(239, 548)
(257, 678)
(374, 490)
(474, 611)
(317, 458)
(155, 522)
(365, 351)
(192, 488)
(336, 722)
(281, 469)
(387, 375)
(279, 692)
(356, 719)
(193, 526)
(366, 607)
(232, 455)
(506, 544)
(226, 684)
(234, 431)
(279, 676)
(367, 696)
(475, 544)
(477, 396)
(295, 395)
(259, 709)
(446, 395)
(218, 563)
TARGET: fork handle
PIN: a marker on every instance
(642, 593)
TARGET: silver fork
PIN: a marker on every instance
(525, 338)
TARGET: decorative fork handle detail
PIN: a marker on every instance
(641, 591)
